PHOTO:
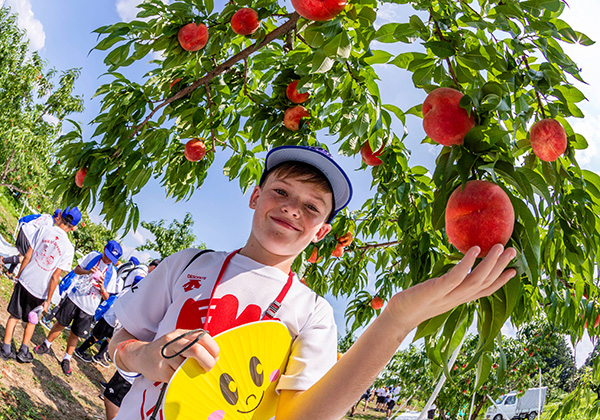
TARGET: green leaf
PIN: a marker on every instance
(321, 63)
(378, 57)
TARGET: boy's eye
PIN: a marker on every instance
(312, 208)
(280, 191)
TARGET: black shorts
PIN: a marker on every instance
(380, 400)
(22, 302)
(116, 389)
(391, 404)
(431, 414)
(102, 329)
(22, 243)
(69, 312)
(365, 397)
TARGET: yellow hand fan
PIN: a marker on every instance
(242, 384)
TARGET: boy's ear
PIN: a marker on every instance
(254, 197)
(322, 232)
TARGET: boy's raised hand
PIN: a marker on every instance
(461, 284)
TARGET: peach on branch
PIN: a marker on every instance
(480, 214)
(548, 139)
(80, 176)
(174, 82)
(369, 157)
(313, 256)
(293, 95)
(377, 303)
(194, 150)
(319, 10)
(345, 240)
(245, 21)
(193, 37)
(292, 117)
(338, 251)
(444, 121)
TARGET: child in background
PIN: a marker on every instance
(95, 281)
(49, 253)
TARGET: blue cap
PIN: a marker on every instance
(113, 251)
(137, 279)
(320, 159)
(56, 212)
(134, 260)
(74, 213)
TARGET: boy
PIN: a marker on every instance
(50, 253)
(95, 281)
(300, 192)
(103, 330)
(28, 226)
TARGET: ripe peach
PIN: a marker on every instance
(293, 95)
(313, 257)
(338, 251)
(345, 240)
(480, 214)
(194, 150)
(444, 121)
(319, 10)
(548, 139)
(80, 176)
(377, 303)
(339, 355)
(174, 82)
(193, 37)
(292, 117)
(245, 21)
(369, 157)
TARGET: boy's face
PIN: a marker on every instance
(289, 213)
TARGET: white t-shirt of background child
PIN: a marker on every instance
(88, 300)
(168, 299)
(30, 228)
(51, 249)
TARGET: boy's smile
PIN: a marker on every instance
(289, 213)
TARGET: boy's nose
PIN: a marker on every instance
(291, 209)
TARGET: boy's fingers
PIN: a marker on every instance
(462, 269)
(494, 263)
(498, 283)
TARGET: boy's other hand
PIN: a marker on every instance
(159, 368)
(460, 285)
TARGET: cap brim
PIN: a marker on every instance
(111, 257)
(340, 183)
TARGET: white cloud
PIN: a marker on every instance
(127, 9)
(588, 127)
(26, 20)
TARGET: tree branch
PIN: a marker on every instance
(443, 38)
(281, 30)
(372, 246)
(245, 80)
(210, 104)
(537, 94)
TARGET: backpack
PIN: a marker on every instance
(124, 269)
(29, 218)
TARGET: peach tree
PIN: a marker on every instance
(229, 91)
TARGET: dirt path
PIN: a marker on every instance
(40, 390)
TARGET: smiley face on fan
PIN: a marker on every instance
(242, 383)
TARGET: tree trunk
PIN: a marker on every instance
(477, 409)
(7, 165)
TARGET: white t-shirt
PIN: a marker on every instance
(51, 250)
(88, 298)
(30, 228)
(168, 299)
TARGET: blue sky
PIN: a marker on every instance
(61, 31)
